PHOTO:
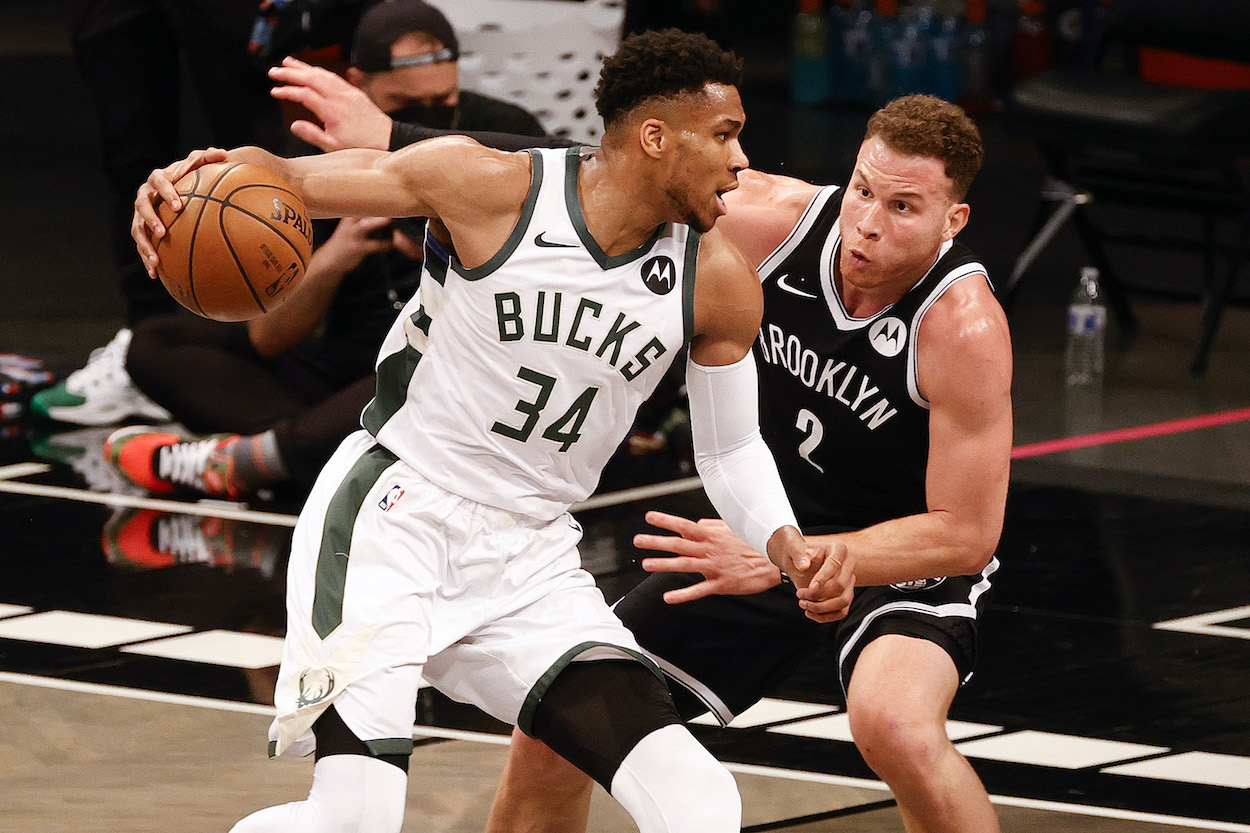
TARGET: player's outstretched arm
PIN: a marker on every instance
(738, 471)
(476, 191)
(729, 567)
(709, 548)
(965, 369)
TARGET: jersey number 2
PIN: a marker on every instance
(565, 430)
(811, 426)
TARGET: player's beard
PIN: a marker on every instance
(698, 223)
(691, 214)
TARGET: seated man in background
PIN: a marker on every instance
(274, 395)
(268, 401)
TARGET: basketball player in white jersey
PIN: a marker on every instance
(886, 375)
(885, 366)
(437, 541)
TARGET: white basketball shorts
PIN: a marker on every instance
(393, 578)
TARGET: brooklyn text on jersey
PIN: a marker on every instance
(838, 380)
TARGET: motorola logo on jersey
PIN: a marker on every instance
(888, 336)
(660, 274)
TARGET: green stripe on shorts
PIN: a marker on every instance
(336, 537)
(389, 746)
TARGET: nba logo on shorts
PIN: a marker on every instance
(392, 497)
(919, 584)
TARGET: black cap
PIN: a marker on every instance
(385, 22)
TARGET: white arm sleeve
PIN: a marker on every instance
(738, 471)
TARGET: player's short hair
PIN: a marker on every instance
(925, 125)
(663, 64)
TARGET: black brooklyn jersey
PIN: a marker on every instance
(845, 418)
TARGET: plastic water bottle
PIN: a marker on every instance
(944, 58)
(809, 65)
(1087, 332)
(857, 55)
(909, 54)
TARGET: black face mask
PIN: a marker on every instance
(439, 116)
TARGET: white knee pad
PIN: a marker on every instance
(350, 794)
(670, 784)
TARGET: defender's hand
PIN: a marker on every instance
(349, 118)
(828, 595)
(728, 566)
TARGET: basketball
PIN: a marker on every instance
(240, 245)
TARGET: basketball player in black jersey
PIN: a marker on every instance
(885, 370)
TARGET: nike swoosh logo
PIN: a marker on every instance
(793, 290)
(341, 554)
(539, 241)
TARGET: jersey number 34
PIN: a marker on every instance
(565, 429)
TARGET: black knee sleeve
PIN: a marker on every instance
(595, 712)
(334, 738)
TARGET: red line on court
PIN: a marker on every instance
(1141, 432)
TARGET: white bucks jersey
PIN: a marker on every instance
(512, 384)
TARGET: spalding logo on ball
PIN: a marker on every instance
(239, 246)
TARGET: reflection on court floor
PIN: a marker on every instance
(1111, 696)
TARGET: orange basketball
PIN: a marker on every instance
(239, 246)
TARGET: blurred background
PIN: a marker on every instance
(814, 71)
(1117, 135)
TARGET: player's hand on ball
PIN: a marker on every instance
(828, 594)
(241, 242)
(146, 226)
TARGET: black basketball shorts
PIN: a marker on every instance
(730, 651)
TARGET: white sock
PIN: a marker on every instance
(350, 794)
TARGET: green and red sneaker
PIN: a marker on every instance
(162, 462)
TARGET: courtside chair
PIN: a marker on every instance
(1160, 120)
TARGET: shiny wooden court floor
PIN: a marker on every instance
(1112, 690)
(138, 640)
(107, 760)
